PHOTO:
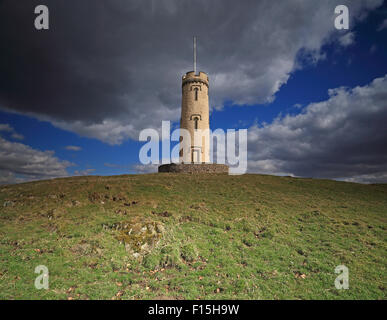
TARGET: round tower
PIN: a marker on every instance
(195, 117)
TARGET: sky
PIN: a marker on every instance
(74, 98)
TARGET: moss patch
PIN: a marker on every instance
(139, 237)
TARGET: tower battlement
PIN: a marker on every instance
(191, 77)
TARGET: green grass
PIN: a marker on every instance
(208, 237)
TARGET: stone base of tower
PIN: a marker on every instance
(194, 168)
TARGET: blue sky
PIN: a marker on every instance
(356, 64)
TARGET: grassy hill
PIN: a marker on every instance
(169, 236)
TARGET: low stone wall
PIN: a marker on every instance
(194, 168)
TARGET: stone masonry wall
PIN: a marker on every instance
(191, 109)
(194, 168)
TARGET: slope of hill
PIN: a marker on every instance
(168, 236)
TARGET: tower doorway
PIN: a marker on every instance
(195, 155)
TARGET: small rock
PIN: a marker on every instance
(144, 247)
(299, 275)
(8, 203)
(151, 229)
(160, 228)
(75, 203)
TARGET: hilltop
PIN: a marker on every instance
(180, 236)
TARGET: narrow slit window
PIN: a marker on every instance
(196, 120)
(196, 94)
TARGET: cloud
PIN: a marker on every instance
(342, 138)
(145, 168)
(110, 131)
(8, 177)
(107, 70)
(112, 165)
(367, 178)
(73, 148)
(5, 127)
(383, 25)
(347, 39)
(19, 162)
(85, 172)
(17, 136)
(117, 166)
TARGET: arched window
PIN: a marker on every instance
(196, 94)
(196, 120)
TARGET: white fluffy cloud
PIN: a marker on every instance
(344, 138)
(5, 127)
(19, 162)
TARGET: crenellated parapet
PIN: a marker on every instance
(191, 77)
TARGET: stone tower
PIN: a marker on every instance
(195, 120)
(195, 116)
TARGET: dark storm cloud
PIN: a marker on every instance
(344, 137)
(107, 69)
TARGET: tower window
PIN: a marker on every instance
(196, 93)
(196, 120)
